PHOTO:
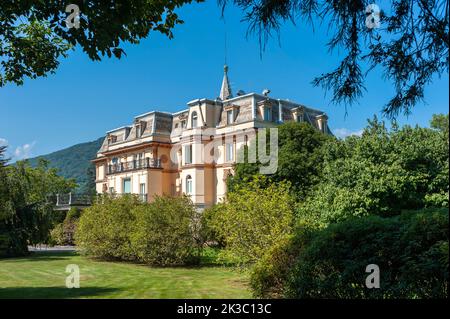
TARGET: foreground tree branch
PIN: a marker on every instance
(411, 44)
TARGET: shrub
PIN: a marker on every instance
(56, 235)
(208, 232)
(104, 229)
(269, 274)
(64, 232)
(253, 219)
(411, 251)
(166, 232)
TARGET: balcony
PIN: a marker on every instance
(66, 201)
(133, 165)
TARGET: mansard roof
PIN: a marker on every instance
(213, 113)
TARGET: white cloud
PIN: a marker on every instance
(24, 151)
(344, 132)
(3, 142)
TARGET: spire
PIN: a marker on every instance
(225, 91)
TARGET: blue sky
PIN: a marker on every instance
(84, 99)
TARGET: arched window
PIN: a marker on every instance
(194, 119)
(189, 185)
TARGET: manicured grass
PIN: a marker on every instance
(42, 275)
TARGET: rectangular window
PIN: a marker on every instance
(111, 190)
(230, 118)
(138, 130)
(188, 154)
(142, 194)
(140, 160)
(189, 185)
(267, 114)
(127, 185)
(229, 152)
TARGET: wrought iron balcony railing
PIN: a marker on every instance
(73, 200)
(133, 165)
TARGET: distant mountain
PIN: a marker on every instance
(74, 162)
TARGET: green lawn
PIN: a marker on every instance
(42, 275)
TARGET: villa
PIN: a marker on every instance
(164, 153)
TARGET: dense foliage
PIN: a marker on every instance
(105, 228)
(411, 251)
(34, 34)
(381, 173)
(164, 232)
(352, 215)
(26, 204)
(300, 158)
(253, 218)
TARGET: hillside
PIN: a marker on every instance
(73, 162)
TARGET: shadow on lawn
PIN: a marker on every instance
(52, 292)
(45, 256)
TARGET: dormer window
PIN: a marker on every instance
(231, 112)
(322, 122)
(299, 114)
(267, 113)
(112, 139)
(230, 117)
(138, 130)
(194, 120)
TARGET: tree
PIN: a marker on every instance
(3, 186)
(440, 122)
(382, 172)
(26, 205)
(90, 184)
(411, 44)
(34, 35)
(300, 158)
